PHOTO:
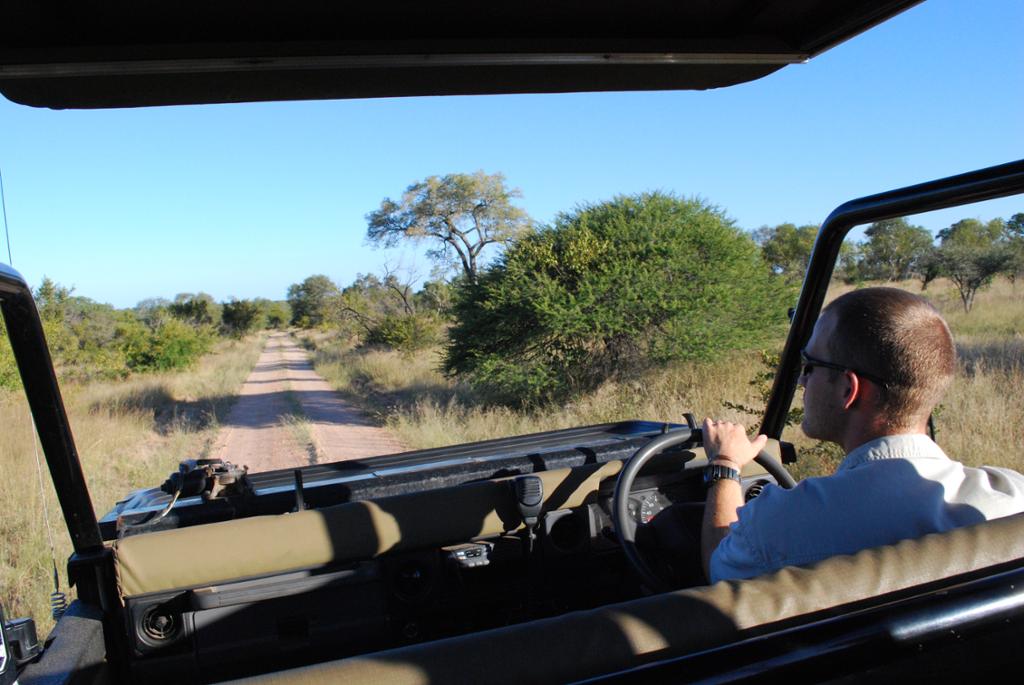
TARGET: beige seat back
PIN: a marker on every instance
(267, 545)
(589, 643)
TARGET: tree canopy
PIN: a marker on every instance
(971, 253)
(461, 214)
(311, 300)
(389, 312)
(607, 290)
(1014, 230)
(895, 250)
(239, 317)
(787, 247)
(198, 309)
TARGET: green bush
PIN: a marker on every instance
(609, 290)
(275, 314)
(198, 309)
(312, 301)
(88, 340)
(406, 332)
(239, 317)
(9, 378)
(171, 344)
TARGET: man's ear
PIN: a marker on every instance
(852, 389)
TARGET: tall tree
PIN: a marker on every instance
(276, 314)
(461, 214)
(198, 309)
(971, 254)
(929, 267)
(311, 300)
(973, 233)
(1015, 226)
(240, 317)
(787, 247)
(52, 300)
(848, 265)
(895, 249)
(152, 309)
(387, 311)
(1014, 232)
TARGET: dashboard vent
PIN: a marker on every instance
(159, 626)
(754, 490)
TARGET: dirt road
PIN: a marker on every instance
(287, 416)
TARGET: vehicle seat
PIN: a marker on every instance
(612, 638)
(166, 561)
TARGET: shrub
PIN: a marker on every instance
(406, 332)
(9, 378)
(275, 314)
(311, 301)
(172, 344)
(895, 250)
(239, 317)
(608, 290)
(198, 309)
(787, 248)
(88, 340)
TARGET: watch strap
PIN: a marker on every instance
(717, 472)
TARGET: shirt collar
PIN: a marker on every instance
(907, 446)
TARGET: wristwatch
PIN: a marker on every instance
(717, 472)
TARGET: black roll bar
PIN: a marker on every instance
(25, 331)
(976, 186)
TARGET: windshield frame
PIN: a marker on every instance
(976, 186)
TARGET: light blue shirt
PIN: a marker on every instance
(886, 490)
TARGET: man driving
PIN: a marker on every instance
(878, 362)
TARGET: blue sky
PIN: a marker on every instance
(243, 200)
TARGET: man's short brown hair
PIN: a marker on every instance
(901, 338)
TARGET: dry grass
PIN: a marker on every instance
(129, 434)
(132, 434)
(413, 399)
(981, 420)
(301, 428)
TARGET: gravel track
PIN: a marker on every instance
(288, 416)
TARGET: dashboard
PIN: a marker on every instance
(358, 576)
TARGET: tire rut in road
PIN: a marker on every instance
(287, 416)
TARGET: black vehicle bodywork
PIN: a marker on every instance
(46, 64)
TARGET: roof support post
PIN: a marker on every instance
(28, 342)
(976, 186)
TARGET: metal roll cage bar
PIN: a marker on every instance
(28, 342)
(976, 186)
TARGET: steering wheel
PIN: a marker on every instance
(625, 525)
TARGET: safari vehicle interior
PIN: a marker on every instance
(564, 556)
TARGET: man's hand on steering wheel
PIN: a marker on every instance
(725, 441)
(718, 438)
(726, 444)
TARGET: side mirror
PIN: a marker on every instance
(7, 669)
(18, 646)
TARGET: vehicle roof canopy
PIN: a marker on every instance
(124, 53)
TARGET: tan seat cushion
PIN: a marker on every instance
(589, 643)
(267, 545)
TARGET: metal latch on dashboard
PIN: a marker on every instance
(210, 478)
(470, 555)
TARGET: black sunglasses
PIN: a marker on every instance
(810, 362)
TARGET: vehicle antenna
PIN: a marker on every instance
(58, 600)
(7, 232)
